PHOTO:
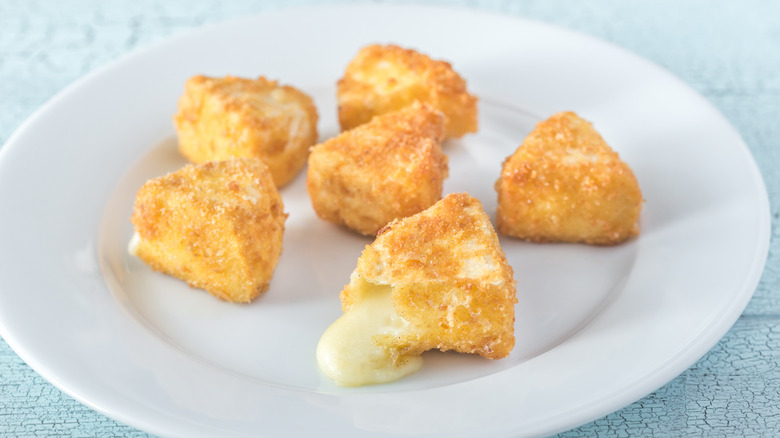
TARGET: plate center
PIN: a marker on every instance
(273, 340)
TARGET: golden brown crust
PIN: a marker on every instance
(565, 184)
(218, 226)
(450, 279)
(223, 118)
(386, 78)
(388, 168)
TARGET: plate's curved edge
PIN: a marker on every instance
(705, 340)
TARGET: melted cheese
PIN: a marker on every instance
(132, 246)
(347, 352)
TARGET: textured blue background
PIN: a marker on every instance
(728, 51)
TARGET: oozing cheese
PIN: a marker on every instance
(132, 246)
(347, 353)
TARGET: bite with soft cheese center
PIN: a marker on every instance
(347, 351)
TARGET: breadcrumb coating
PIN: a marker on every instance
(388, 168)
(450, 280)
(384, 78)
(565, 184)
(218, 226)
(223, 118)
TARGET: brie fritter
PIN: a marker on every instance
(218, 226)
(384, 78)
(223, 118)
(565, 184)
(435, 280)
(389, 168)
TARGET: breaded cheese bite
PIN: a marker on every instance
(223, 118)
(565, 184)
(384, 78)
(388, 168)
(218, 226)
(435, 280)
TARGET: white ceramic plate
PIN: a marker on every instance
(597, 328)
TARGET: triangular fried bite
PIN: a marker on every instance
(218, 226)
(565, 184)
(389, 168)
(230, 117)
(385, 78)
(445, 284)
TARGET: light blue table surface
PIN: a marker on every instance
(728, 51)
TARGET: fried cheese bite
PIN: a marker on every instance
(565, 184)
(218, 226)
(223, 118)
(435, 280)
(388, 168)
(384, 78)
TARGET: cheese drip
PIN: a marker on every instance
(132, 246)
(347, 352)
